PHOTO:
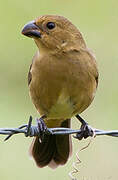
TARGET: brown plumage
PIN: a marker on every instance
(62, 80)
(54, 150)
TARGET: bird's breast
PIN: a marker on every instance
(63, 107)
(61, 88)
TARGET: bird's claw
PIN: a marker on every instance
(86, 130)
(41, 127)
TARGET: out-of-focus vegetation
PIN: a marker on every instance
(98, 22)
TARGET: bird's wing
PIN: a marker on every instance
(94, 70)
(29, 75)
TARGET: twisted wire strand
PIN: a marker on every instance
(75, 168)
(78, 161)
(30, 130)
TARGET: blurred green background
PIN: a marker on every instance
(98, 22)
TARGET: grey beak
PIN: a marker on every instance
(31, 30)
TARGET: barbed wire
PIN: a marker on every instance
(40, 130)
(30, 130)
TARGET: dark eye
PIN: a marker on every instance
(50, 25)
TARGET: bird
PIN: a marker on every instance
(62, 80)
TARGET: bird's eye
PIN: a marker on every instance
(50, 25)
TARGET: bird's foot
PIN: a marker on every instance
(86, 130)
(40, 130)
(41, 127)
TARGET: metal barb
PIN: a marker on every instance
(29, 127)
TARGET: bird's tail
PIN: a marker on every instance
(54, 150)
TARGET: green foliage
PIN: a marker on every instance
(98, 22)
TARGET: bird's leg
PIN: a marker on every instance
(86, 130)
(41, 127)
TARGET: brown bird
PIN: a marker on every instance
(62, 79)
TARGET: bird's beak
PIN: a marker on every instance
(31, 30)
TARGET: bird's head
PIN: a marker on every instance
(54, 33)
